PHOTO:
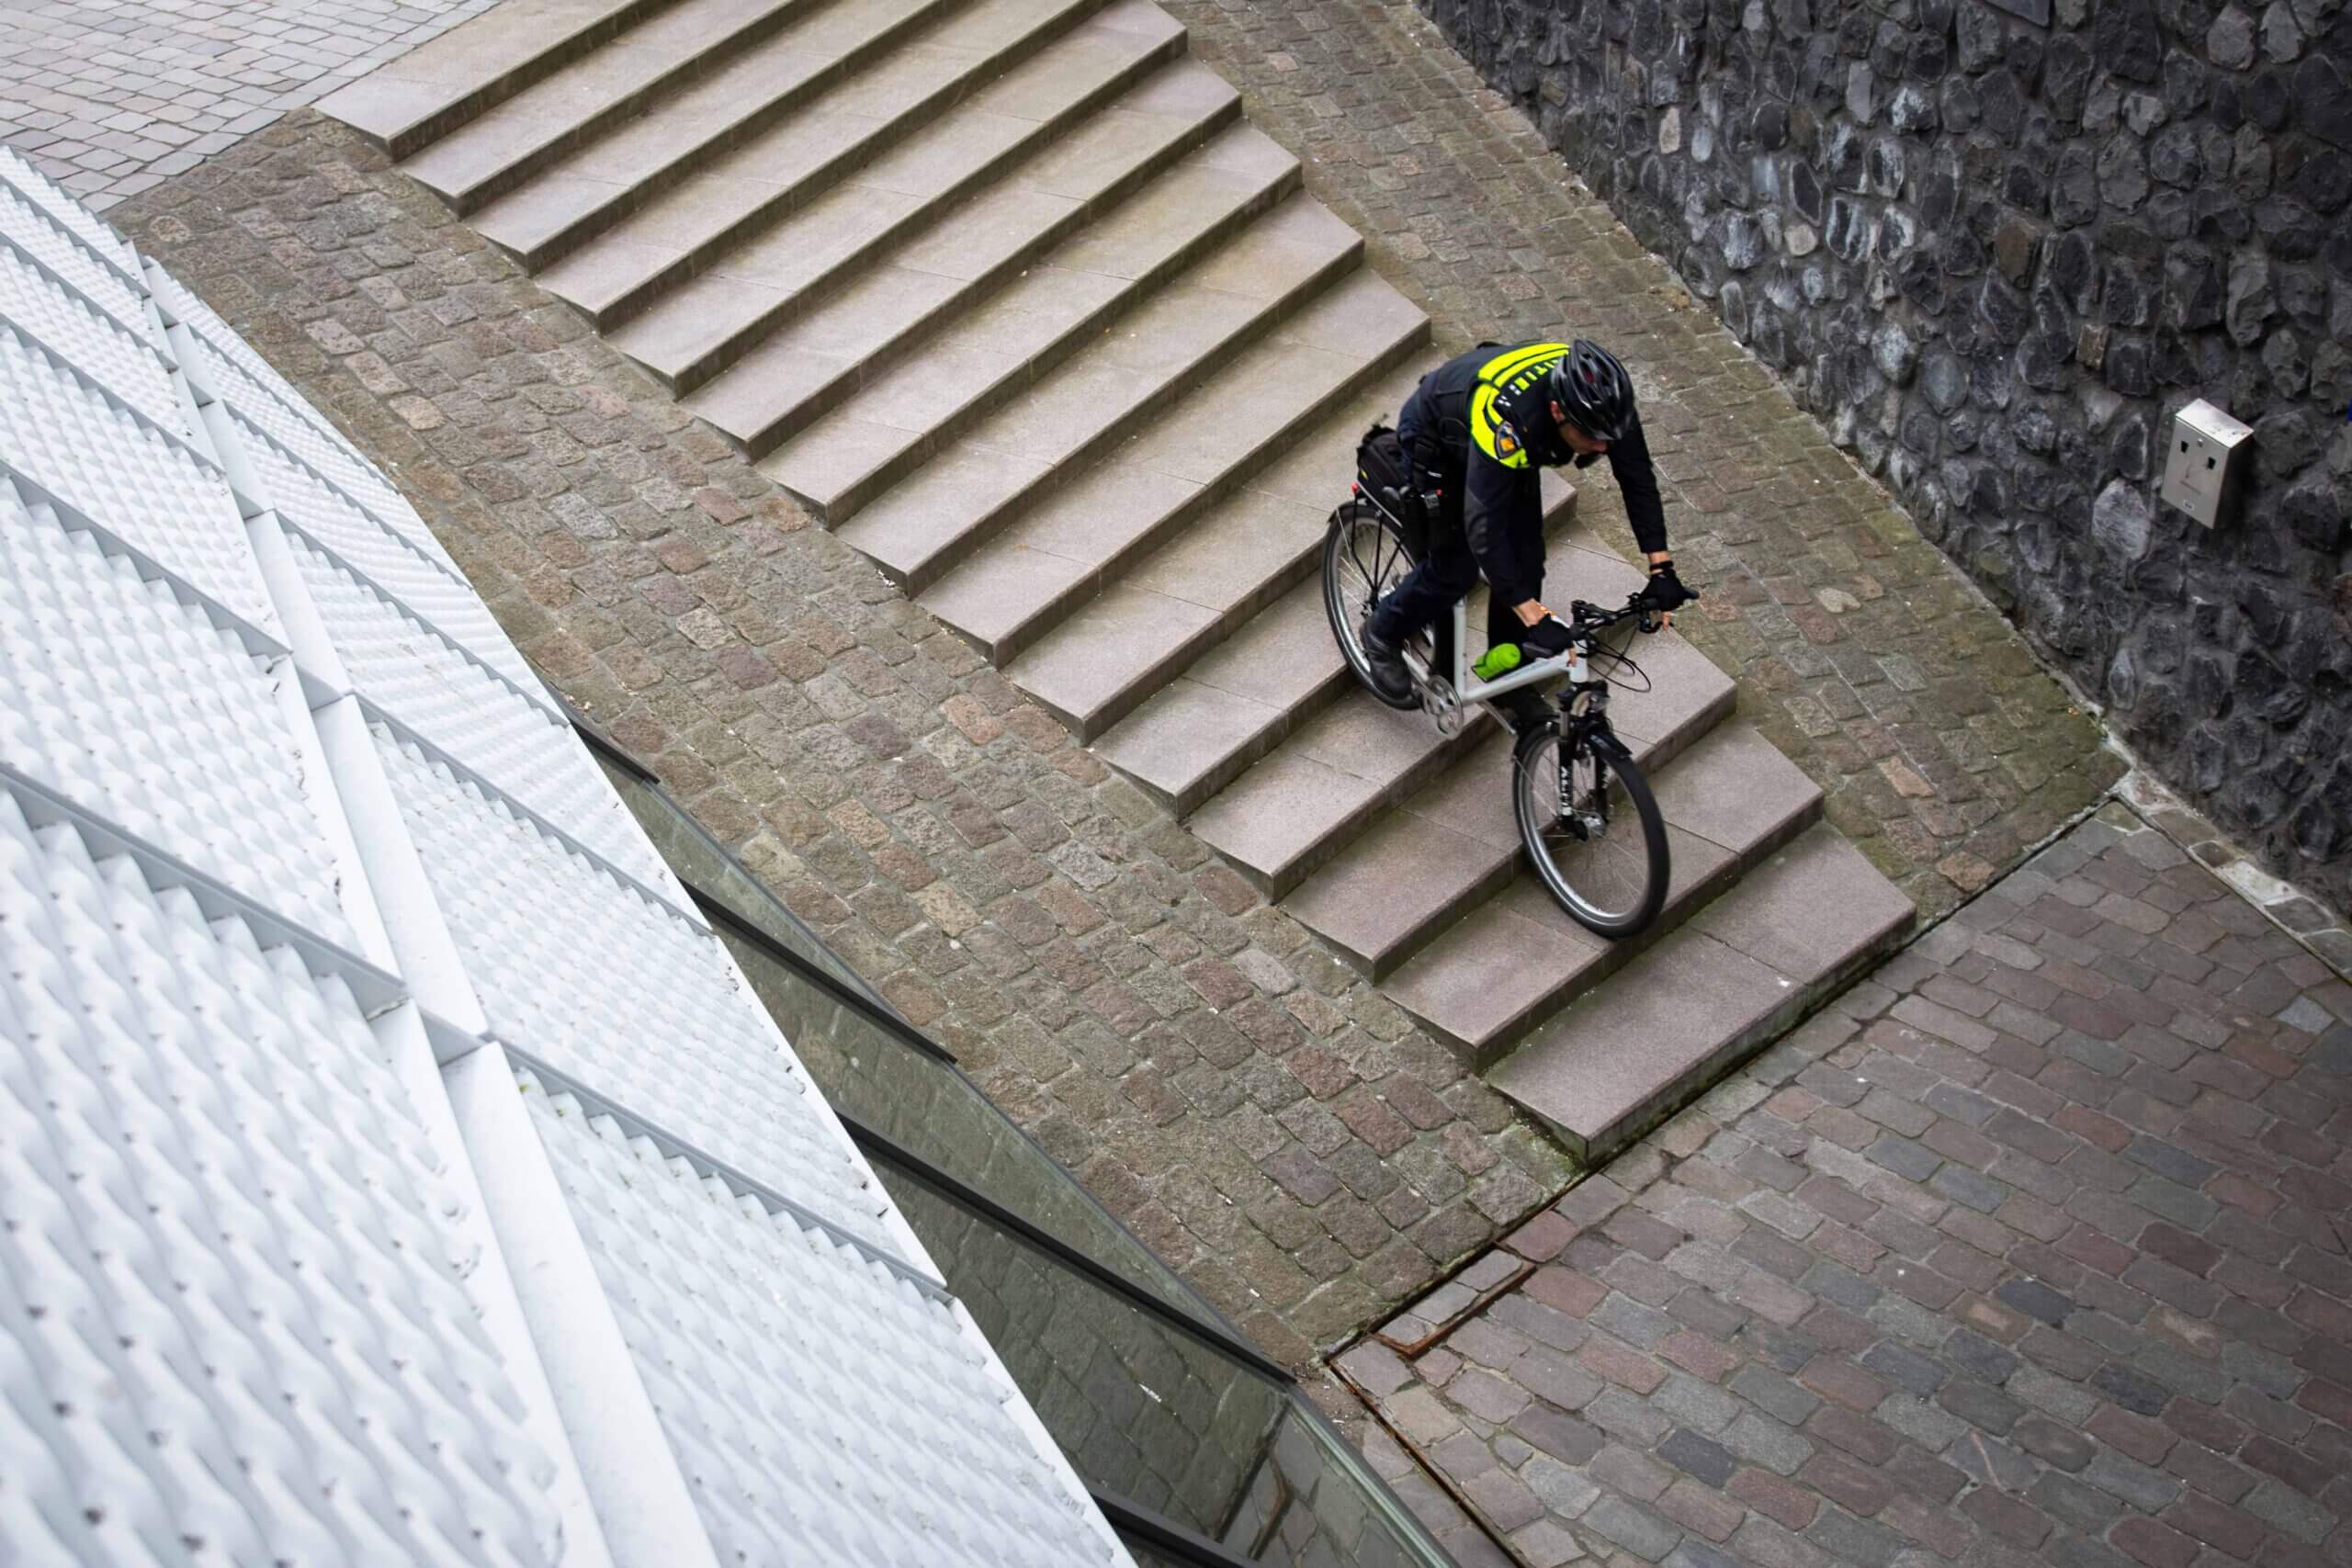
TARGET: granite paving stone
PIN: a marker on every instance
(1065, 937)
(112, 99)
(2069, 1403)
(1279, 1134)
(1944, 752)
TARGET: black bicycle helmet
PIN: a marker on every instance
(1594, 390)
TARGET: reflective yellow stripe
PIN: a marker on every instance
(1492, 378)
(1505, 363)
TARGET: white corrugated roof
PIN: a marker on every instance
(294, 847)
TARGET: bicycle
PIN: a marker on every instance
(1585, 814)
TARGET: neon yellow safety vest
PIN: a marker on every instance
(1501, 406)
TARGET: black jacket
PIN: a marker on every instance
(1479, 426)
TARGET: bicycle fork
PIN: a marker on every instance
(1579, 736)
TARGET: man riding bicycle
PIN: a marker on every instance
(1476, 431)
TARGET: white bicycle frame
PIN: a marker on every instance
(1467, 688)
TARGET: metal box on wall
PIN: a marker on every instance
(2202, 464)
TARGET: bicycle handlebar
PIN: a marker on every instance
(1585, 618)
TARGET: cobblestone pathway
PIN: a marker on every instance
(1859, 650)
(1264, 1120)
(2032, 1250)
(1255, 1110)
(112, 96)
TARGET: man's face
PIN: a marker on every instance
(1583, 446)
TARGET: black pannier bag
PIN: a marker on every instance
(1384, 475)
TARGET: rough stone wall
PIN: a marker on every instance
(1994, 248)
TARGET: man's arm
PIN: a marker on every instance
(1501, 507)
(1629, 461)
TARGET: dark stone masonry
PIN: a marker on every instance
(1994, 248)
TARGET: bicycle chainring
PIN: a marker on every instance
(1443, 706)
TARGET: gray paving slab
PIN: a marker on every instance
(1084, 535)
(1190, 732)
(1293, 811)
(930, 520)
(926, 156)
(499, 147)
(781, 386)
(1876, 1331)
(1625, 1052)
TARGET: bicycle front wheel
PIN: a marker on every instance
(1364, 558)
(1592, 830)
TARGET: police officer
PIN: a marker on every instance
(1475, 431)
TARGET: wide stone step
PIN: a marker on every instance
(1239, 556)
(1656, 1035)
(405, 103)
(1201, 730)
(1457, 841)
(587, 191)
(937, 390)
(864, 330)
(502, 146)
(1023, 584)
(1493, 973)
(1238, 697)
(1171, 342)
(1332, 776)
(763, 241)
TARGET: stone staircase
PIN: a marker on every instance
(1010, 297)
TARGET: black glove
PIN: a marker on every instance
(1548, 637)
(1663, 591)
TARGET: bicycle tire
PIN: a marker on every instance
(1643, 867)
(1353, 581)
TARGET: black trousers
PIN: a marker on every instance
(1427, 596)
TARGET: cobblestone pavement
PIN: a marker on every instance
(2033, 1249)
(109, 97)
(1252, 1108)
(1866, 657)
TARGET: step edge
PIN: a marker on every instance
(1744, 1044)
(512, 174)
(759, 120)
(1106, 716)
(975, 292)
(1426, 932)
(406, 140)
(1490, 1048)
(1490, 878)
(1279, 882)
(706, 367)
(860, 493)
(1202, 786)
(1113, 566)
(1088, 728)
(1083, 456)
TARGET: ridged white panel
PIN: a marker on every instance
(812, 1396)
(127, 479)
(458, 707)
(29, 228)
(232, 1325)
(104, 352)
(373, 550)
(303, 433)
(68, 213)
(623, 996)
(118, 696)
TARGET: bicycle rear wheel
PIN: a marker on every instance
(1364, 558)
(1600, 851)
